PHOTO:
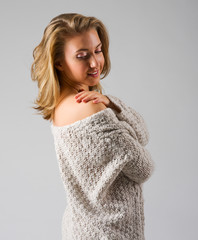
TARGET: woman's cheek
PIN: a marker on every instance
(102, 62)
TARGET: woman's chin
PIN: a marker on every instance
(93, 82)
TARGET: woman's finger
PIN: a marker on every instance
(78, 94)
(88, 96)
(96, 100)
(81, 95)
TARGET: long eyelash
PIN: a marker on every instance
(84, 57)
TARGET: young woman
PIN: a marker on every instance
(99, 140)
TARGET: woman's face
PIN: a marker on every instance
(83, 59)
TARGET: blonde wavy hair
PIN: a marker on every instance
(51, 49)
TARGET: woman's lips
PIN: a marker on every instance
(94, 75)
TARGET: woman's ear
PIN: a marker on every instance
(58, 65)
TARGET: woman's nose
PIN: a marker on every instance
(93, 62)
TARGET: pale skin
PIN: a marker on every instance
(86, 96)
(82, 56)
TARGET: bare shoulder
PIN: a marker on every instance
(69, 111)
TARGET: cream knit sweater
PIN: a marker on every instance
(103, 163)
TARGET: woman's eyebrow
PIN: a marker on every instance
(85, 49)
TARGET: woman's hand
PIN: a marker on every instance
(86, 96)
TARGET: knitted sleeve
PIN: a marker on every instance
(131, 117)
(97, 149)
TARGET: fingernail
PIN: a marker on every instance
(80, 90)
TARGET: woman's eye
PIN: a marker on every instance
(81, 56)
(99, 51)
(87, 55)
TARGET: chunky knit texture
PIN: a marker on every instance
(103, 163)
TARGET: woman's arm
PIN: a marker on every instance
(97, 150)
(131, 117)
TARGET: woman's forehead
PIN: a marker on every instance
(83, 41)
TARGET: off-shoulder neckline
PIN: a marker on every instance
(84, 120)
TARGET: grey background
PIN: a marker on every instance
(153, 48)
